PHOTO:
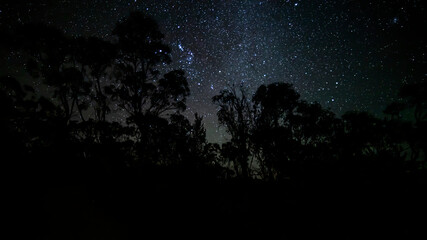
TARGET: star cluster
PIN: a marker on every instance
(338, 53)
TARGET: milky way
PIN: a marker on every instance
(334, 52)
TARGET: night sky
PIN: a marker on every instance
(346, 55)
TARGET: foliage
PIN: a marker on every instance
(278, 141)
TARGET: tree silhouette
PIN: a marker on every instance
(95, 57)
(415, 96)
(12, 105)
(274, 106)
(275, 103)
(141, 50)
(394, 110)
(53, 60)
(139, 90)
(286, 156)
(235, 114)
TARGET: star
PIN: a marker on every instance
(309, 44)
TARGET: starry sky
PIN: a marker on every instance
(344, 54)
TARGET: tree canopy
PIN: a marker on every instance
(159, 163)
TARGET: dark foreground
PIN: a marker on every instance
(170, 204)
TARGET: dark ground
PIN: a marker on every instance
(158, 207)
